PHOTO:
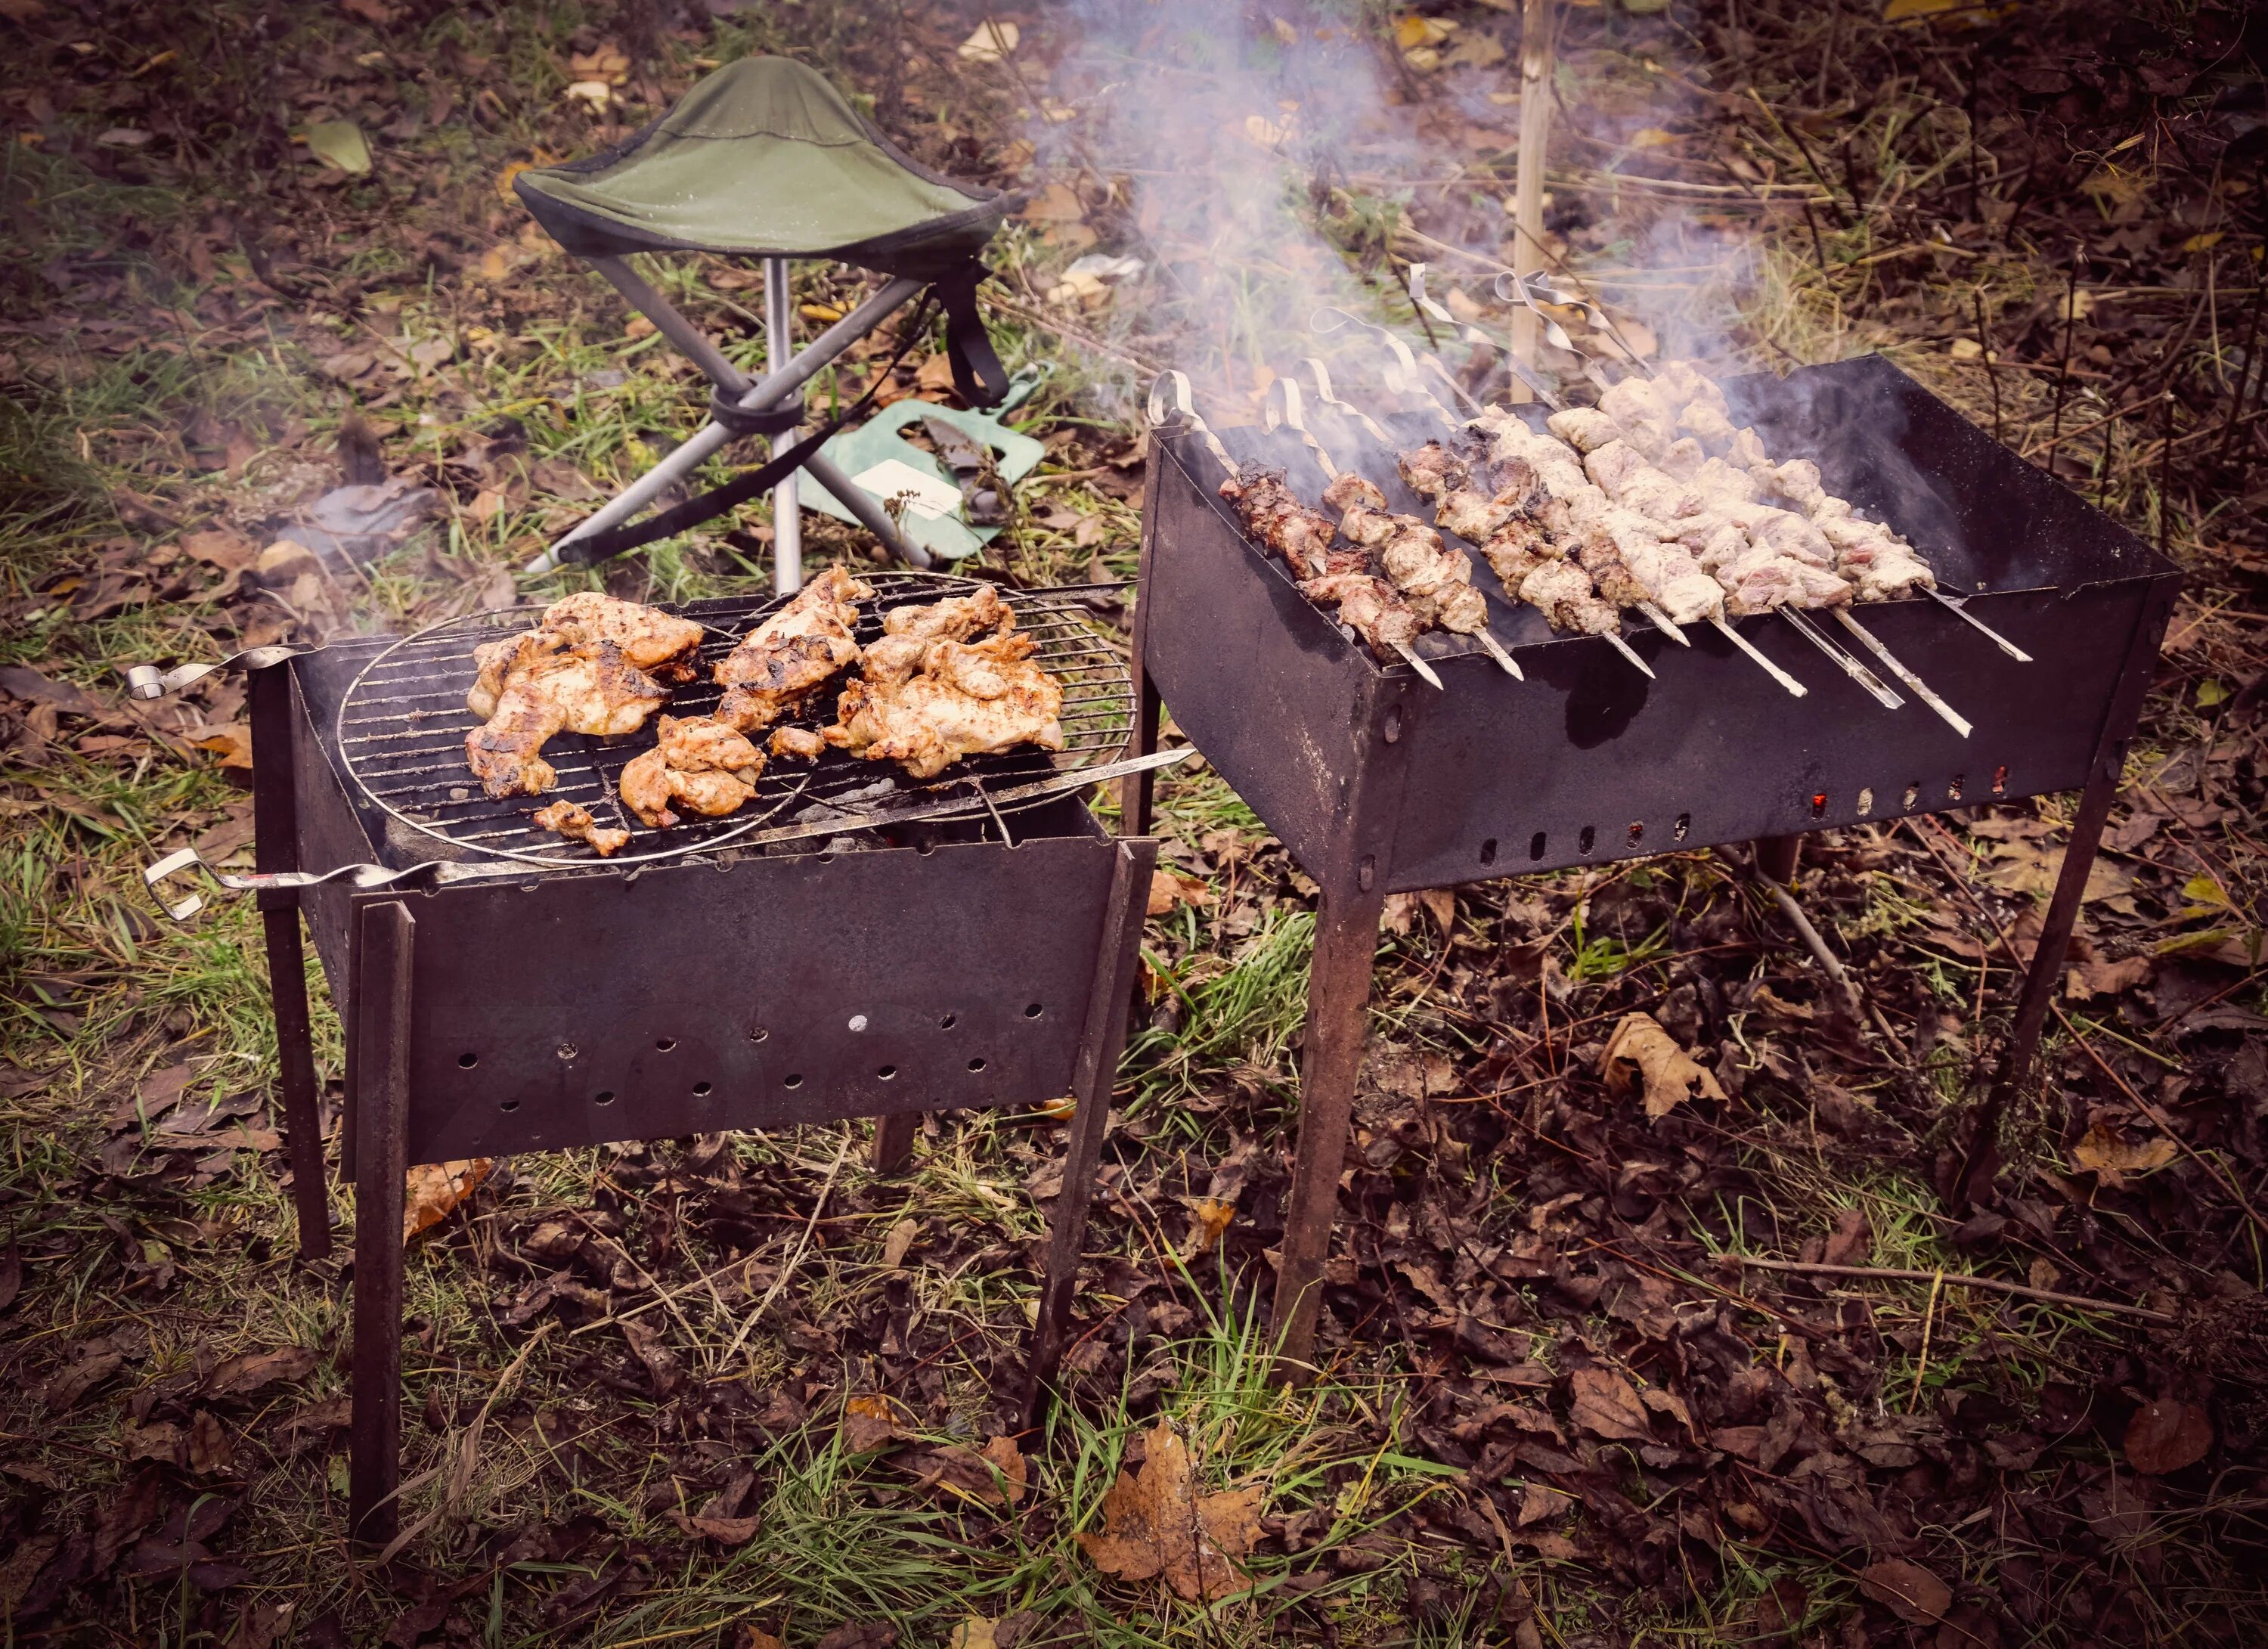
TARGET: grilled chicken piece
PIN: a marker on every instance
(1436, 581)
(697, 763)
(1562, 591)
(791, 654)
(1272, 514)
(660, 643)
(1586, 429)
(540, 683)
(1368, 606)
(963, 700)
(956, 618)
(573, 820)
(797, 744)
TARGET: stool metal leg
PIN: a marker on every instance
(787, 513)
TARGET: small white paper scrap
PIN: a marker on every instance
(925, 496)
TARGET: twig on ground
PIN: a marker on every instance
(1899, 1274)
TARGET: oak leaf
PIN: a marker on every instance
(1155, 1523)
(434, 1188)
(1641, 1051)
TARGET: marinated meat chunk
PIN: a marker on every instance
(660, 643)
(965, 699)
(792, 653)
(698, 763)
(573, 820)
(540, 683)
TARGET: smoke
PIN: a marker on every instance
(1265, 163)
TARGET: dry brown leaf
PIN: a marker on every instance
(1852, 1241)
(254, 1370)
(2102, 1152)
(1155, 1523)
(1054, 204)
(661, 1364)
(2087, 980)
(2167, 1435)
(870, 1421)
(435, 1188)
(212, 1450)
(997, 1477)
(231, 743)
(900, 1239)
(973, 1632)
(1209, 1221)
(1907, 1590)
(1606, 1404)
(1641, 1050)
(1169, 888)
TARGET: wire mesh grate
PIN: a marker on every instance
(402, 724)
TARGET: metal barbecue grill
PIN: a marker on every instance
(504, 989)
(401, 725)
(1377, 782)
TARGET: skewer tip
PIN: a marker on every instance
(1426, 670)
(1624, 648)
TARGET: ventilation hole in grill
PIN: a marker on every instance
(1488, 851)
(603, 1096)
(857, 1021)
(509, 1105)
(1913, 794)
(1865, 802)
(663, 1044)
(1952, 791)
(466, 1062)
(826, 859)
(1684, 823)
(794, 1079)
(1637, 832)
(1819, 805)
(925, 849)
(1032, 1010)
(2000, 780)
(1590, 835)
(887, 1073)
(701, 1089)
(1535, 846)
(946, 1023)
(977, 1064)
(759, 1035)
(567, 1050)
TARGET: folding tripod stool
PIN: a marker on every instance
(764, 159)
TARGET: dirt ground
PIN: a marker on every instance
(1746, 1371)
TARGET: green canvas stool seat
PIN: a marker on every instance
(764, 159)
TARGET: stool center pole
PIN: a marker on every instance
(787, 514)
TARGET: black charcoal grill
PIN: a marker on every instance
(1379, 783)
(853, 943)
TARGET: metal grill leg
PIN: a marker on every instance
(1338, 1014)
(1776, 857)
(276, 827)
(387, 938)
(1101, 1041)
(893, 1142)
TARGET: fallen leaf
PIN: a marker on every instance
(973, 1632)
(435, 1188)
(1209, 1220)
(159, 1440)
(900, 1239)
(870, 1421)
(241, 1375)
(725, 1531)
(661, 1364)
(232, 744)
(1907, 1590)
(968, 1474)
(1853, 1240)
(1058, 203)
(2087, 980)
(340, 144)
(2167, 1435)
(80, 1377)
(1606, 1404)
(1170, 889)
(991, 41)
(1155, 1523)
(211, 1450)
(1641, 1050)
(2104, 1153)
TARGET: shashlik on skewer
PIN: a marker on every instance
(1270, 511)
(1562, 592)
(1729, 497)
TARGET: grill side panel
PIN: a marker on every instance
(570, 1010)
(1256, 678)
(330, 832)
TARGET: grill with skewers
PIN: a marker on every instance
(851, 942)
(1574, 748)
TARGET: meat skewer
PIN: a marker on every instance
(1522, 558)
(1436, 580)
(1871, 560)
(1270, 512)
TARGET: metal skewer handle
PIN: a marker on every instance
(267, 882)
(1763, 663)
(1952, 718)
(1958, 606)
(148, 681)
(1844, 661)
